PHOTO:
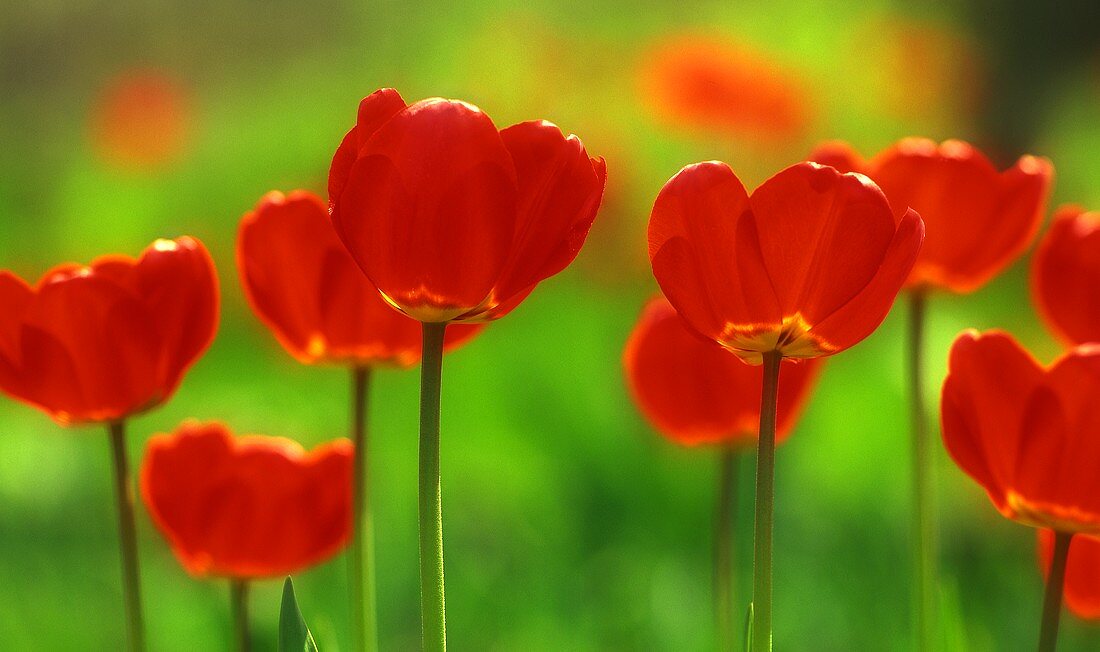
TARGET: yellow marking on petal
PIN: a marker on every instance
(1063, 518)
(317, 345)
(791, 337)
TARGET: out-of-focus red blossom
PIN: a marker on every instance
(710, 84)
(920, 68)
(696, 392)
(451, 219)
(141, 120)
(105, 341)
(1082, 582)
(247, 507)
(1029, 435)
(978, 220)
(1065, 277)
(809, 265)
(304, 286)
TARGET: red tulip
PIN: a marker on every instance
(809, 265)
(1065, 278)
(715, 85)
(304, 286)
(696, 392)
(1027, 434)
(1082, 583)
(101, 342)
(247, 507)
(979, 220)
(452, 220)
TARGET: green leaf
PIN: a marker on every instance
(748, 629)
(294, 636)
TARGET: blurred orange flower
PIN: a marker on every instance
(696, 392)
(247, 507)
(1027, 434)
(1065, 277)
(142, 120)
(101, 342)
(706, 83)
(979, 220)
(303, 284)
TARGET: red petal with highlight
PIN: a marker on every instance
(1065, 276)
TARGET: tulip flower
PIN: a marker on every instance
(246, 508)
(1081, 589)
(100, 343)
(695, 392)
(455, 221)
(303, 284)
(979, 220)
(1026, 434)
(1065, 277)
(805, 267)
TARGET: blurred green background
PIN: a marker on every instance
(570, 525)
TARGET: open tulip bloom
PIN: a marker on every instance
(99, 343)
(805, 267)
(303, 284)
(453, 220)
(978, 222)
(696, 393)
(246, 508)
(1065, 276)
(1030, 436)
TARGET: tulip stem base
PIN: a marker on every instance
(127, 537)
(364, 620)
(432, 606)
(238, 606)
(726, 507)
(765, 507)
(923, 511)
(1052, 601)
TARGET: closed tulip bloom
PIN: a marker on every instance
(303, 284)
(807, 266)
(1065, 278)
(979, 220)
(695, 392)
(247, 507)
(1028, 434)
(1082, 587)
(451, 219)
(98, 343)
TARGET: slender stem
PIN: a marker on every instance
(765, 507)
(238, 605)
(1052, 602)
(923, 512)
(433, 611)
(127, 538)
(726, 507)
(364, 623)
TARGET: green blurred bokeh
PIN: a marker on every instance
(570, 525)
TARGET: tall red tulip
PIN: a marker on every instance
(979, 220)
(1065, 277)
(300, 280)
(1028, 435)
(451, 219)
(1082, 584)
(455, 221)
(805, 267)
(101, 342)
(695, 392)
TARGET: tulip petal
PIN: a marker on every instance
(1066, 274)
(704, 250)
(15, 296)
(429, 211)
(1082, 580)
(374, 110)
(838, 155)
(560, 189)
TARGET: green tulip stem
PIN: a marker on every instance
(433, 612)
(725, 508)
(1052, 601)
(238, 606)
(364, 621)
(923, 524)
(127, 538)
(765, 506)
